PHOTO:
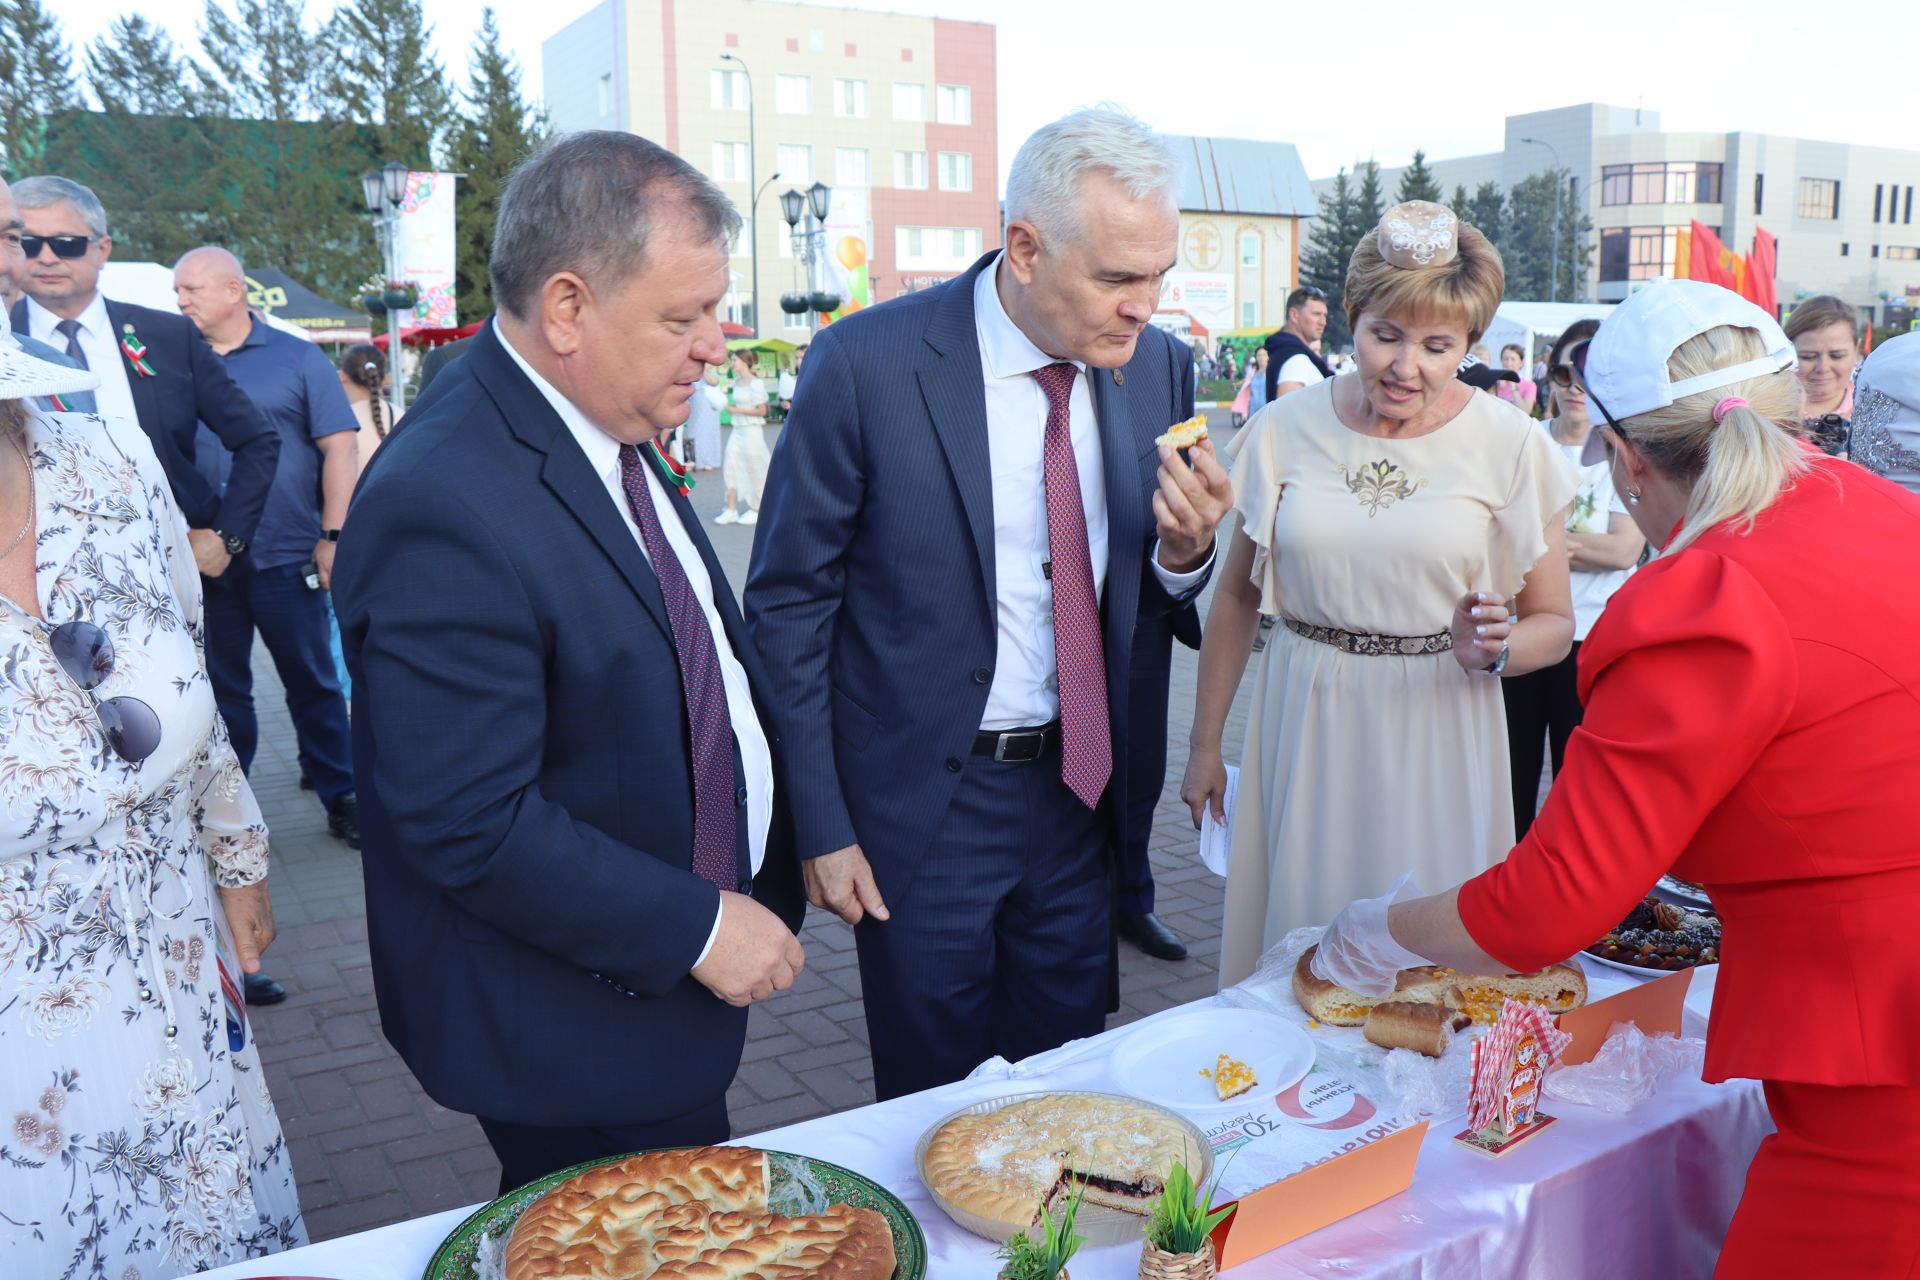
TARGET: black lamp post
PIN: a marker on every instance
(811, 205)
(382, 190)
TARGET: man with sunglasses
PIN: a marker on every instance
(154, 367)
(1293, 354)
(13, 268)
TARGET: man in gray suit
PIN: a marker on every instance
(13, 265)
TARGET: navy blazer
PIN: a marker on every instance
(872, 592)
(190, 385)
(526, 793)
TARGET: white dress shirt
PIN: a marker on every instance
(603, 455)
(102, 347)
(1026, 686)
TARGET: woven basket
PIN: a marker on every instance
(1157, 1264)
(1061, 1275)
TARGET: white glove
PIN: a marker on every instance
(1359, 953)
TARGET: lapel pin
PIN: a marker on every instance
(1119, 378)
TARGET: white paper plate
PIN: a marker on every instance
(1634, 969)
(1684, 895)
(1100, 1224)
(1162, 1061)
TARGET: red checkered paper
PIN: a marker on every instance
(1493, 1058)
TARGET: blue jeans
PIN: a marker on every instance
(293, 621)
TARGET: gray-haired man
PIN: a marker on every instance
(965, 518)
(578, 875)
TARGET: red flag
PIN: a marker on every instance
(1709, 262)
(1760, 269)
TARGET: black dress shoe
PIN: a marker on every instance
(264, 990)
(306, 783)
(1147, 933)
(343, 819)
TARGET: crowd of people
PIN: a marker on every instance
(595, 793)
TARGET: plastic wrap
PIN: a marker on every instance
(791, 1187)
(490, 1256)
(1626, 1071)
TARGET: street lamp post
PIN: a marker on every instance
(753, 208)
(382, 190)
(812, 205)
(1553, 288)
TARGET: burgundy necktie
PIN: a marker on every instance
(1086, 748)
(710, 729)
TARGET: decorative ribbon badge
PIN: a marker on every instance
(59, 405)
(670, 471)
(135, 351)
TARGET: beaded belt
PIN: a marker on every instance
(1372, 646)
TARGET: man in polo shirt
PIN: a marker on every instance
(299, 391)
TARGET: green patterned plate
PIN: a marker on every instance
(454, 1259)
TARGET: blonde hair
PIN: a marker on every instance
(1468, 287)
(1740, 464)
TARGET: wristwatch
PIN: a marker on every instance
(235, 544)
(331, 535)
(1500, 663)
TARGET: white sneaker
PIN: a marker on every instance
(752, 517)
(729, 516)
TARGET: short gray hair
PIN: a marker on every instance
(587, 202)
(51, 189)
(1044, 185)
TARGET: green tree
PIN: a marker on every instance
(382, 73)
(495, 133)
(289, 175)
(1529, 245)
(134, 70)
(1459, 204)
(36, 81)
(1323, 263)
(1487, 211)
(1369, 202)
(1417, 182)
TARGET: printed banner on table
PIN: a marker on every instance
(849, 243)
(427, 248)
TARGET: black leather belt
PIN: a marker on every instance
(1016, 746)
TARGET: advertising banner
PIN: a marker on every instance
(427, 248)
(849, 243)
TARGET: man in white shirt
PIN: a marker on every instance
(1293, 354)
(579, 868)
(967, 514)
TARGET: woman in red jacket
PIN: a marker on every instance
(1752, 724)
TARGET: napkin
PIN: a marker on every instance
(1216, 838)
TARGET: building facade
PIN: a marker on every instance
(1843, 214)
(1241, 207)
(896, 114)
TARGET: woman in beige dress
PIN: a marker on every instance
(1389, 518)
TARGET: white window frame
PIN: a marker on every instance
(936, 248)
(785, 85)
(1249, 313)
(728, 171)
(1253, 238)
(964, 158)
(721, 82)
(841, 86)
(840, 178)
(902, 170)
(961, 95)
(780, 161)
(918, 94)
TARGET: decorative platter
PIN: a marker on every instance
(456, 1258)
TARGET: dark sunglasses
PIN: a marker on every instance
(1572, 372)
(62, 246)
(1313, 293)
(85, 653)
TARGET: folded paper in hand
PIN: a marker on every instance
(1216, 838)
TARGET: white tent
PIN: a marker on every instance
(148, 284)
(1534, 325)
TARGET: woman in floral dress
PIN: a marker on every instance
(137, 1140)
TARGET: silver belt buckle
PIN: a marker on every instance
(1000, 746)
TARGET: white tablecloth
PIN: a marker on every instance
(1648, 1193)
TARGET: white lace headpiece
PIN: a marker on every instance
(1419, 233)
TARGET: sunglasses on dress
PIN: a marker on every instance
(85, 652)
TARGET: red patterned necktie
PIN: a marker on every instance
(710, 729)
(1086, 748)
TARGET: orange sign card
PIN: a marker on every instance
(1655, 1007)
(1318, 1197)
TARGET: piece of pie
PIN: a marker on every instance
(694, 1214)
(1186, 434)
(1232, 1078)
(1005, 1164)
(1556, 988)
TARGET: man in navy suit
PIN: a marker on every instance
(966, 514)
(578, 869)
(154, 367)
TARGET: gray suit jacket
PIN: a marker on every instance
(75, 401)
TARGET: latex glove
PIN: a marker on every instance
(1359, 953)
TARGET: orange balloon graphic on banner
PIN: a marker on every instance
(852, 252)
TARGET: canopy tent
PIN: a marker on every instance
(422, 336)
(1259, 331)
(1534, 325)
(773, 346)
(148, 284)
(277, 296)
(1180, 324)
(732, 330)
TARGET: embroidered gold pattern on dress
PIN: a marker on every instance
(1379, 484)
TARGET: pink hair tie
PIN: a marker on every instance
(1731, 402)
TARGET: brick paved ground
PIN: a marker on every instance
(370, 1148)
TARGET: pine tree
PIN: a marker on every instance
(135, 70)
(36, 82)
(1323, 264)
(497, 131)
(382, 73)
(1459, 205)
(1368, 203)
(1487, 211)
(1417, 182)
(1529, 246)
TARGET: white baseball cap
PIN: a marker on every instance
(1625, 365)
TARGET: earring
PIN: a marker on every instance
(1633, 497)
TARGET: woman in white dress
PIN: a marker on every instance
(137, 1140)
(702, 432)
(745, 467)
(1390, 518)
